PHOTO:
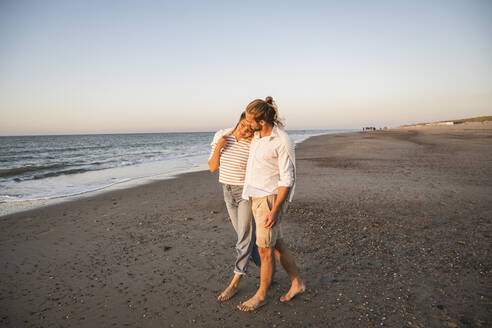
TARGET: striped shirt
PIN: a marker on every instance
(233, 160)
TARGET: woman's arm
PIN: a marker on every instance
(214, 161)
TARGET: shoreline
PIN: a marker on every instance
(388, 228)
(19, 206)
(33, 204)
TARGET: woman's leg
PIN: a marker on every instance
(232, 209)
(246, 241)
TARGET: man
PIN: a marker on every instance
(269, 182)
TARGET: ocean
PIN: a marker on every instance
(40, 168)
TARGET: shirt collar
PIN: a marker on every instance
(271, 136)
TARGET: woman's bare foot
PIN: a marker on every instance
(231, 290)
(297, 287)
(227, 294)
(252, 304)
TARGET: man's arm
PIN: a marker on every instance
(286, 172)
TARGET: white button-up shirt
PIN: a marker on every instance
(269, 166)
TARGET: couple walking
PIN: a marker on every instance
(256, 163)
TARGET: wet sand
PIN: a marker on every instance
(389, 228)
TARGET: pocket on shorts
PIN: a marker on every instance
(267, 204)
(260, 209)
(270, 201)
(256, 203)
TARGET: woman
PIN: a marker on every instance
(230, 150)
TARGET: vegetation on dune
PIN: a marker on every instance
(463, 120)
(473, 119)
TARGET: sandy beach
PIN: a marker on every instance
(389, 228)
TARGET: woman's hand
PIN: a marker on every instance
(222, 142)
(214, 161)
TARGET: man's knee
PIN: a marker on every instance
(265, 252)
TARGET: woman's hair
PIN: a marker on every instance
(264, 110)
(242, 117)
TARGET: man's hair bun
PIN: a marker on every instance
(264, 110)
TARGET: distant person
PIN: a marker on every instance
(269, 183)
(230, 150)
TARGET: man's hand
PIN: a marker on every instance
(271, 219)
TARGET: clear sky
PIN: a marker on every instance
(157, 66)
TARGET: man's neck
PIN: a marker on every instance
(266, 130)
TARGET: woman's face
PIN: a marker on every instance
(244, 129)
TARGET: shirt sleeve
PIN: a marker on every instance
(286, 168)
(213, 144)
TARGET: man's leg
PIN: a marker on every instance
(266, 275)
(287, 260)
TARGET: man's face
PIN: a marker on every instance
(250, 119)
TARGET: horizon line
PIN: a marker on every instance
(127, 133)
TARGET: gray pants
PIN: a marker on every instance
(242, 220)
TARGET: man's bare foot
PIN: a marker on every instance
(227, 294)
(297, 287)
(252, 304)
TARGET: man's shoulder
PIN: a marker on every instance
(282, 134)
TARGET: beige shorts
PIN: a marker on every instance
(261, 207)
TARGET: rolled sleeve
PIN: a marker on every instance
(286, 168)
